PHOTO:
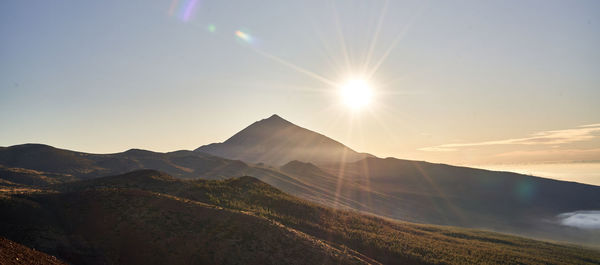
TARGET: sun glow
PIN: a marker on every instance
(356, 93)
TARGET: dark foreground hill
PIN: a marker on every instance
(106, 225)
(13, 253)
(148, 217)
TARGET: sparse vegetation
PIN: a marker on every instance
(12, 253)
(173, 217)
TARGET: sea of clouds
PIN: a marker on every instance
(580, 219)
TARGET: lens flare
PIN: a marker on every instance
(173, 6)
(211, 28)
(189, 10)
(244, 36)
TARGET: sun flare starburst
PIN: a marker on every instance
(356, 93)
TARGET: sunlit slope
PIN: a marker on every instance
(276, 141)
(172, 217)
(28, 177)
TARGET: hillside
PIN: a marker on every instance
(276, 141)
(12, 253)
(184, 164)
(32, 165)
(241, 220)
(29, 177)
(468, 197)
(145, 227)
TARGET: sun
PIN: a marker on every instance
(356, 93)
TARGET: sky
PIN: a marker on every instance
(459, 82)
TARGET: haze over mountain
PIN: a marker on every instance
(276, 141)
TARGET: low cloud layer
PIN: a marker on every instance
(580, 219)
(554, 137)
(551, 155)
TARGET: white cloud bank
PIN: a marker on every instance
(554, 137)
(580, 219)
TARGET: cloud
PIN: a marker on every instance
(574, 154)
(590, 125)
(548, 155)
(554, 137)
(580, 219)
(437, 149)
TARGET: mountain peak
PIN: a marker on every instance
(276, 141)
(274, 120)
(275, 116)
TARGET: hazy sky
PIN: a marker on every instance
(458, 81)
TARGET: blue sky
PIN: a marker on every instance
(112, 75)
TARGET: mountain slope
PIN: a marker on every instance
(20, 176)
(134, 226)
(275, 141)
(468, 197)
(12, 253)
(23, 166)
(150, 217)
